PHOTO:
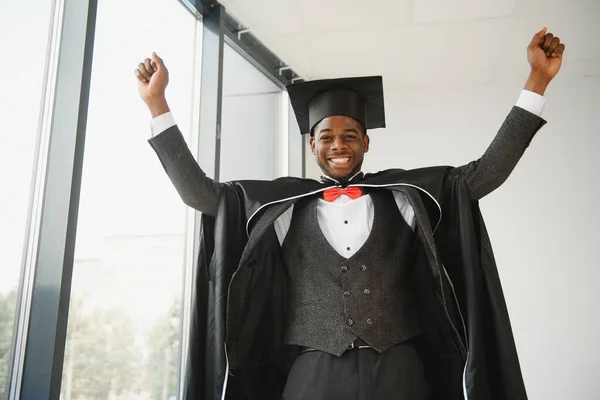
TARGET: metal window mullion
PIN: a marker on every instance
(23, 300)
(191, 216)
(207, 149)
(282, 152)
(211, 92)
(219, 41)
(211, 96)
(44, 307)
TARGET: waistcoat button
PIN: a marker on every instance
(369, 321)
(367, 291)
(346, 293)
(344, 268)
(350, 322)
(364, 267)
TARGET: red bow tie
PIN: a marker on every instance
(354, 192)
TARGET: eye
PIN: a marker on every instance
(351, 137)
(325, 138)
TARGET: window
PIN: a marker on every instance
(297, 145)
(22, 83)
(252, 127)
(124, 318)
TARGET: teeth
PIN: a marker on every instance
(340, 160)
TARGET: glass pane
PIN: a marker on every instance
(296, 142)
(123, 332)
(250, 121)
(22, 81)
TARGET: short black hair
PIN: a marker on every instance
(362, 128)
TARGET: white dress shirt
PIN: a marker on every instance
(346, 223)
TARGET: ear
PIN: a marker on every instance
(366, 141)
(312, 144)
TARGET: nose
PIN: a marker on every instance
(338, 143)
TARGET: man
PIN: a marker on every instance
(361, 286)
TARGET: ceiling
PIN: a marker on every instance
(418, 43)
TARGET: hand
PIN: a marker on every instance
(544, 54)
(153, 78)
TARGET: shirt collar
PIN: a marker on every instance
(356, 177)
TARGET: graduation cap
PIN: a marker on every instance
(359, 98)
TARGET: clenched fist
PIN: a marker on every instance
(153, 78)
(544, 53)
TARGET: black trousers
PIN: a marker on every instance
(359, 374)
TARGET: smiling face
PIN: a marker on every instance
(339, 144)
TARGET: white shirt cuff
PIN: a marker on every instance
(162, 123)
(532, 102)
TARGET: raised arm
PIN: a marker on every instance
(491, 170)
(195, 188)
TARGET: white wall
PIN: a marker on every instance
(543, 221)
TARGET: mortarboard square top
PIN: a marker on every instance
(359, 98)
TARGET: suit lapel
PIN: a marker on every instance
(423, 224)
(272, 212)
(263, 223)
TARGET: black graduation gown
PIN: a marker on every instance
(236, 341)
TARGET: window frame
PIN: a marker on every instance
(41, 317)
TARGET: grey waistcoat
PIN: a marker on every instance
(334, 300)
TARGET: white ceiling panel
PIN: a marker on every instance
(574, 29)
(430, 11)
(357, 52)
(540, 7)
(409, 48)
(354, 15)
(421, 42)
(268, 17)
(439, 76)
(468, 45)
(293, 50)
